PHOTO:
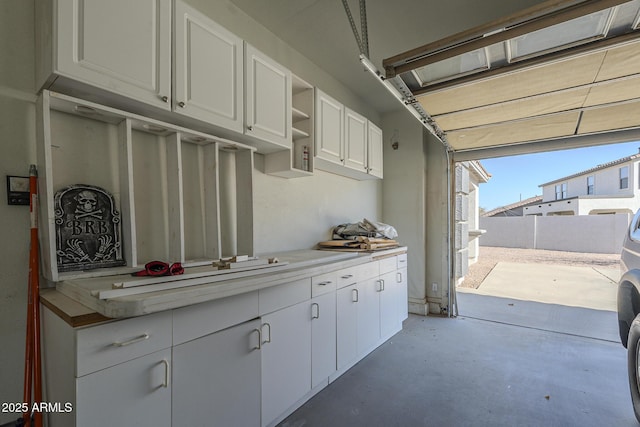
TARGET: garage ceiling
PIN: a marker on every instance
(585, 94)
(500, 84)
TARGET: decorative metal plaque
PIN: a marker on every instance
(87, 229)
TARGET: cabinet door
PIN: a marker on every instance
(134, 393)
(323, 338)
(286, 359)
(355, 141)
(389, 305)
(216, 379)
(374, 162)
(208, 70)
(368, 315)
(347, 325)
(268, 99)
(403, 299)
(329, 124)
(119, 45)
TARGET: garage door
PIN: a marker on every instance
(561, 71)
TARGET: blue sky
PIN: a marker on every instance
(516, 177)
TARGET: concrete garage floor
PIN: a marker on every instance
(502, 362)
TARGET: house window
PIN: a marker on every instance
(590, 182)
(624, 177)
(561, 191)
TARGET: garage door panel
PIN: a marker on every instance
(514, 110)
(614, 92)
(620, 61)
(555, 126)
(602, 119)
(521, 84)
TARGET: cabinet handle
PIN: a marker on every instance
(131, 341)
(164, 98)
(317, 316)
(181, 104)
(347, 276)
(399, 276)
(356, 295)
(166, 373)
(268, 340)
(382, 284)
(259, 346)
(328, 282)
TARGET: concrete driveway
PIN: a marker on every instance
(587, 287)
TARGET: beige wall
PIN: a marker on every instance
(17, 143)
(404, 188)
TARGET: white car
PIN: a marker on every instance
(629, 307)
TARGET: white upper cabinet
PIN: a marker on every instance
(98, 44)
(355, 140)
(329, 128)
(346, 143)
(208, 70)
(267, 100)
(374, 152)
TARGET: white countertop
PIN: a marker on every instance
(200, 284)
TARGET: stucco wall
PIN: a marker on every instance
(606, 182)
(586, 233)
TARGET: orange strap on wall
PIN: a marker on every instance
(33, 362)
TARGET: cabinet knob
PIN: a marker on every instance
(165, 98)
(181, 104)
(249, 128)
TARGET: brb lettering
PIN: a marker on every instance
(87, 229)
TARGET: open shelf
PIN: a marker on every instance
(183, 196)
(291, 163)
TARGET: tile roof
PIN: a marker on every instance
(529, 201)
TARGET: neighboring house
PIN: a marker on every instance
(610, 188)
(514, 209)
(469, 176)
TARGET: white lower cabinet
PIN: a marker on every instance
(347, 326)
(134, 393)
(368, 318)
(286, 359)
(245, 360)
(389, 305)
(323, 338)
(216, 379)
(403, 300)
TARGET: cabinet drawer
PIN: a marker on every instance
(198, 320)
(368, 271)
(388, 264)
(324, 283)
(285, 295)
(99, 347)
(402, 261)
(348, 276)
